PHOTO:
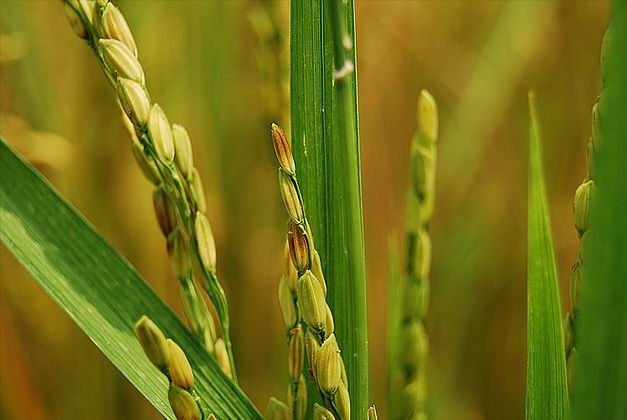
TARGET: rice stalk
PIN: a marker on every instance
(409, 377)
(164, 154)
(308, 290)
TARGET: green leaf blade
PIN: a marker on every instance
(325, 139)
(98, 288)
(600, 370)
(547, 392)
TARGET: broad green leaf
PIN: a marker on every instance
(326, 148)
(600, 370)
(99, 289)
(547, 392)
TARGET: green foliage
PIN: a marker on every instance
(547, 392)
(98, 288)
(600, 371)
(326, 148)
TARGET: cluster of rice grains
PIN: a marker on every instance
(409, 377)
(302, 297)
(170, 359)
(164, 154)
(583, 197)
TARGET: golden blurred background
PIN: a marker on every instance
(219, 67)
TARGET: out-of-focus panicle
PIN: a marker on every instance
(409, 373)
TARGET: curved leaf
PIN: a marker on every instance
(99, 289)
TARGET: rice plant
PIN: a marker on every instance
(324, 365)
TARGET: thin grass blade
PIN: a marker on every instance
(547, 392)
(99, 289)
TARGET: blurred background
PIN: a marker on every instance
(221, 69)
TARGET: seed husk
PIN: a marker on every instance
(153, 342)
(582, 206)
(423, 164)
(568, 325)
(161, 133)
(183, 150)
(283, 150)
(329, 327)
(575, 284)
(179, 368)
(277, 410)
(311, 301)
(197, 314)
(290, 196)
(329, 368)
(206, 242)
(223, 357)
(75, 20)
(316, 269)
(128, 124)
(414, 347)
(342, 403)
(412, 399)
(147, 166)
(178, 253)
(427, 116)
(372, 413)
(415, 298)
(165, 211)
(300, 399)
(183, 404)
(97, 9)
(290, 270)
(321, 413)
(343, 376)
(413, 219)
(134, 100)
(422, 254)
(115, 27)
(87, 6)
(121, 60)
(286, 302)
(299, 247)
(313, 348)
(296, 347)
(199, 191)
(310, 243)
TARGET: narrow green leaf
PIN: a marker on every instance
(99, 289)
(326, 148)
(600, 370)
(547, 392)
